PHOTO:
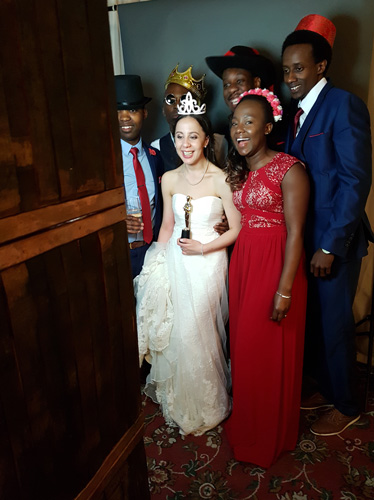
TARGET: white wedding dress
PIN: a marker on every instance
(181, 315)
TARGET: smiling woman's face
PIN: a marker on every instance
(249, 128)
(190, 140)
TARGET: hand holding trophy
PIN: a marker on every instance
(186, 232)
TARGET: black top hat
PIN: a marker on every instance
(129, 92)
(244, 58)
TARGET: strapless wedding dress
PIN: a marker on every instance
(181, 313)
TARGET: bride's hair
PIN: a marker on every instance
(205, 124)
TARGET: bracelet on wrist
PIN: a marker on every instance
(283, 296)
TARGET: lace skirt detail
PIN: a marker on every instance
(181, 326)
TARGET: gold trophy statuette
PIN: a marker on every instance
(186, 232)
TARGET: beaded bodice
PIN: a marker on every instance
(260, 200)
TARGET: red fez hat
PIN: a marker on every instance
(320, 25)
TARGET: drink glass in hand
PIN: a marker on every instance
(133, 207)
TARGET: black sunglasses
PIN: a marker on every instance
(170, 99)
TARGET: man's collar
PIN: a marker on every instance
(308, 102)
(126, 146)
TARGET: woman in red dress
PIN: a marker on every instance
(267, 286)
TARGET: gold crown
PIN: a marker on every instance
(187, 81)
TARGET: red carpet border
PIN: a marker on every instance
(320, 468)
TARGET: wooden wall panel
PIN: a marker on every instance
(9, 486)
(50, 59)
(69, 370)
(58, 92)
(70, 406)
(97, 319)
(9, 198)
(81, 91)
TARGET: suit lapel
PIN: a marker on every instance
(303, 132)
(289, 135)
(152, 164)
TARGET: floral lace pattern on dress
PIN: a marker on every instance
(260, 200)
(154, 311)
(181, 311)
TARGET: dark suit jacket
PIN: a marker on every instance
(334, 142)
(169, 154)
(157, 167)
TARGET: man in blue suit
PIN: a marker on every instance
(142, 168)
(331, 135)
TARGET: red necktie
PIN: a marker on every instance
(143, 195)
(299, 112)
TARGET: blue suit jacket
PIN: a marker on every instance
(157, 167)
(334, 142)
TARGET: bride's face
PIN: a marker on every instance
(190, 140)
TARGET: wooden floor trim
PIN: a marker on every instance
(113, 461)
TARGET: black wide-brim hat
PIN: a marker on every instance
(129, 92)
(244, 58)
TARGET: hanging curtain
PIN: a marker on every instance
(115, 38)
(115, 34)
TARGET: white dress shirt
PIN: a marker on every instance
(309, 100)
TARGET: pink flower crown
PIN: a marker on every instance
(270, 97)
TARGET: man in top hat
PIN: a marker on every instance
(142, 168)
(176, 87)
(330, 133)
(241, 69)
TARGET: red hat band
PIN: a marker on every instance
(320, 25)
(249, 51)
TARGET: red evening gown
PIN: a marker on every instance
(266, 357)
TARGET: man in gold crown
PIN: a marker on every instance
(176, 87)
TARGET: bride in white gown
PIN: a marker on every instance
(181, 292)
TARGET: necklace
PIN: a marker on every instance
(198, 182)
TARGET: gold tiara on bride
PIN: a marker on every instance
(189, 106)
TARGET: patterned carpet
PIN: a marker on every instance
(337, 467)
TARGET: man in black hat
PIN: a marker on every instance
(241, 69)
(142, 168)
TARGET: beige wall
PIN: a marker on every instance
(362, 303)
